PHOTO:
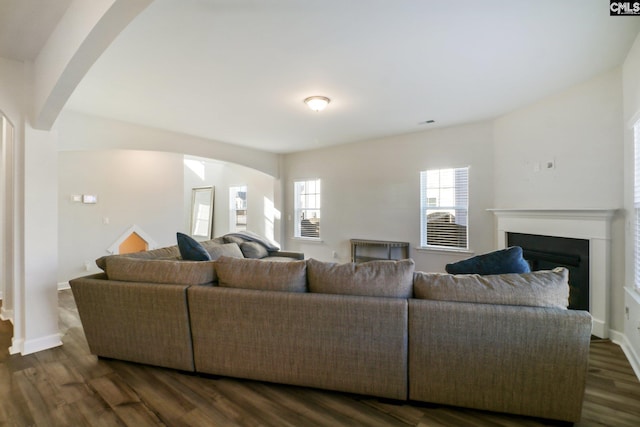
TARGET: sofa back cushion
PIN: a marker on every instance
(217, 250)
(253, 250)
(262, 275)
(169, 252)
(160, 271)
(545, 288)
(373, 278)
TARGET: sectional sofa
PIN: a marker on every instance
(503, 343)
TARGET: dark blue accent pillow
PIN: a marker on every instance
(504, 261)
(190, 249)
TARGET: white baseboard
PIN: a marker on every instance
(16, 346)
(63, 285)
(25, 347)
(599, 328)
(621, 339)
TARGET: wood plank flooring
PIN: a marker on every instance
(67, 386)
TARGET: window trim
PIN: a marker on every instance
(425, 207)
(297, 232)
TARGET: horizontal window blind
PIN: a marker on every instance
(444, 206)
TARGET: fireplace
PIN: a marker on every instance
(548, 252)
(591, 225)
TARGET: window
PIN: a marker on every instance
(238, 208)
(307, 208)
(444, 205)
(636, 202)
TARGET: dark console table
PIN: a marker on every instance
(366, 250)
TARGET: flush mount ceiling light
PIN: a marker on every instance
(317, 103)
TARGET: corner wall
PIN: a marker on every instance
(580, 130)
(144, 188)
(371, 190)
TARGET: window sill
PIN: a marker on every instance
(444, 250)
(308, 239)
(634, 293)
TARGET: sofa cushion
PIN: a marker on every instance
(170, 252)
(253, 250)
(190, 249)
(257, 274)
(373, 278)
(160, 271)
(217, 250)
(545, 288)
(504, 261)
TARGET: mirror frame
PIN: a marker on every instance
(202, 196)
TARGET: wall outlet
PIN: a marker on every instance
(334, 254)
(87, 266)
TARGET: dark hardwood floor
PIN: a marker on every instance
(67, 386)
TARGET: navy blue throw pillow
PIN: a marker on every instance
(190, 249)
(504, 261)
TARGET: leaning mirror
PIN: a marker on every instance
(202, 199)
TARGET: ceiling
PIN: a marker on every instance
(237, 71)
(25, 26)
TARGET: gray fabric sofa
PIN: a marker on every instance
(502, 343)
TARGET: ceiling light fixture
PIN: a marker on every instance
(317, 103)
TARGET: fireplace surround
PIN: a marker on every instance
(593, 225)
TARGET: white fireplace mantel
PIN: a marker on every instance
(589, 224)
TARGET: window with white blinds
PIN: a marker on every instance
(238, 208)
(307, 208)
(636, 201)
(444, 207)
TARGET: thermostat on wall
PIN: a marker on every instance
(89, 198)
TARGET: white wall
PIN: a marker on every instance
(631, 89)
(222, 175)
(144, 188)
(580, 129)
(371, 190)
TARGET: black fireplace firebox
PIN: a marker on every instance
(548, 252)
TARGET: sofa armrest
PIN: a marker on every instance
(287, 254)
(138, 322)
(522, 360)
